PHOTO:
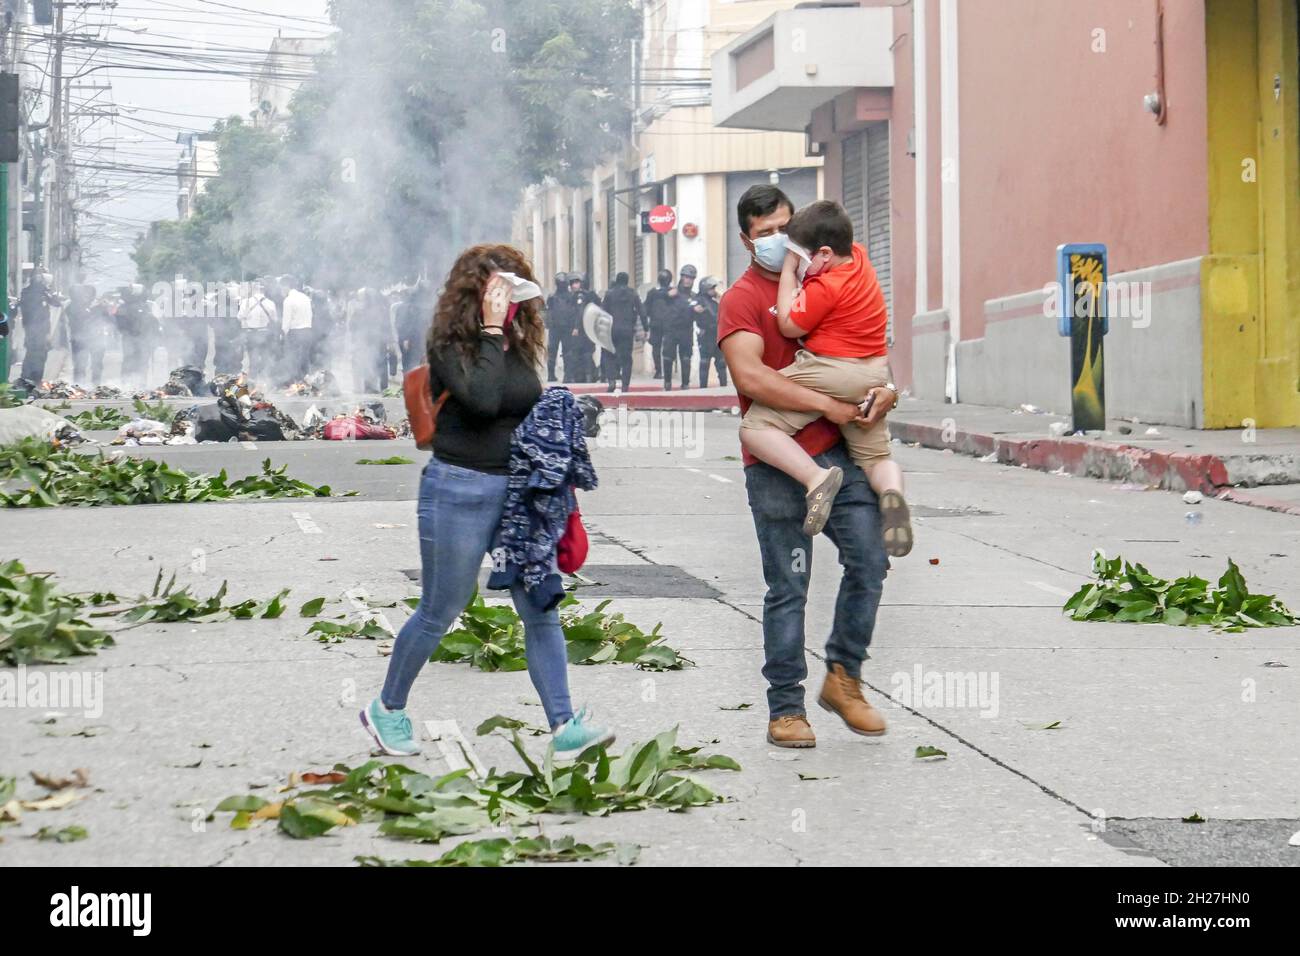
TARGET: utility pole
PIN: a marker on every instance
(12, 103)
(56, 139)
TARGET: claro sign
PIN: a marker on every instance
(660, 219)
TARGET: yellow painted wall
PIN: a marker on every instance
(1250, 282)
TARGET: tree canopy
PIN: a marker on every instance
(412, 138)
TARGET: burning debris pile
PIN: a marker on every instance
(67, 391)
(320, 384)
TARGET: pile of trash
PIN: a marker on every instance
(66, 390)
(242, 413)
(320, 384)
(29, 421)
(147, 431)
(365, 423)
(186, 381)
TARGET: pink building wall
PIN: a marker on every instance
(1055, 145)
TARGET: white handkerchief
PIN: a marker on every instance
(521, 290)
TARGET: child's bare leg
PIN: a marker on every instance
(884, 475)
(781, 451)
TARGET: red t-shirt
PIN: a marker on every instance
(750, 306)
(843, 310)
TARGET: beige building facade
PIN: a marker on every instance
(674, 156)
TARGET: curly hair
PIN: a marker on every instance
(457, 318)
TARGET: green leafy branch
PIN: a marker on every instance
(1126, 591)
(491, 638)
(57, 476)
(410, 805)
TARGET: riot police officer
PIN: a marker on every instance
(559, 324)
(679, 328)
(706, 323)
(583, 296)
(624, 306)
(657, 307)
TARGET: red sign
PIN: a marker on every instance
(663, 219)
(690, 230)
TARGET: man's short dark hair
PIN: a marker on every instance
(822, 223)
(621, 279)
(759, 201)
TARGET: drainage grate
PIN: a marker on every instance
(625, 580)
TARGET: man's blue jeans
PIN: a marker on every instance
(459, 511)
(777, 502)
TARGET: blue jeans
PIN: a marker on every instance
(777, 502)
(459, 511)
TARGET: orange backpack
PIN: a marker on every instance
(421, 408)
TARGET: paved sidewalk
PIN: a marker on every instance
(1219, 463)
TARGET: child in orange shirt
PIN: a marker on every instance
(841, 316)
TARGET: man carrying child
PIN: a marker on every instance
(755, 351)
(839, 312)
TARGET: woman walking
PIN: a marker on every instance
(485, 353)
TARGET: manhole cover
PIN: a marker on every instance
(625, 580)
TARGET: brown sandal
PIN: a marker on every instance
(896, 524)
(819, 502)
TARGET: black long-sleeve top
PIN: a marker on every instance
(488, 399)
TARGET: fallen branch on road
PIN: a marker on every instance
(491, 637)
(1127, 591)
(58, 476)
(414, 806)
(40, 624)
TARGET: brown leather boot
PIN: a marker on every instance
(792, 730)
(842, 694)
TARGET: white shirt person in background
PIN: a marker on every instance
(297, 325)
(258, 321)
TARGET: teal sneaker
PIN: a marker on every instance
(390, 728)
(575, 735)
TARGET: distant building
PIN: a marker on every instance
(288, 64)
(675, 157)
(198, 164)
(969, 138)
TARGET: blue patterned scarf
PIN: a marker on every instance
(548, 459)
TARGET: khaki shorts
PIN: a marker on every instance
(847, 379)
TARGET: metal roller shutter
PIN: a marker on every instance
(877, 233)
(866, 200)
(854, 165)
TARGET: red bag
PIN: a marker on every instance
(421, 408)
(571, 551)
(355, 428)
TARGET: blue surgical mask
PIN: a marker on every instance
(769, 251)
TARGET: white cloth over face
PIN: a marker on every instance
(805, 259)
(521, 290)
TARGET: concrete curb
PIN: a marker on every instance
(1170, 470)
(1241, 497)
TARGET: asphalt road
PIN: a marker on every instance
(1154, 723)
